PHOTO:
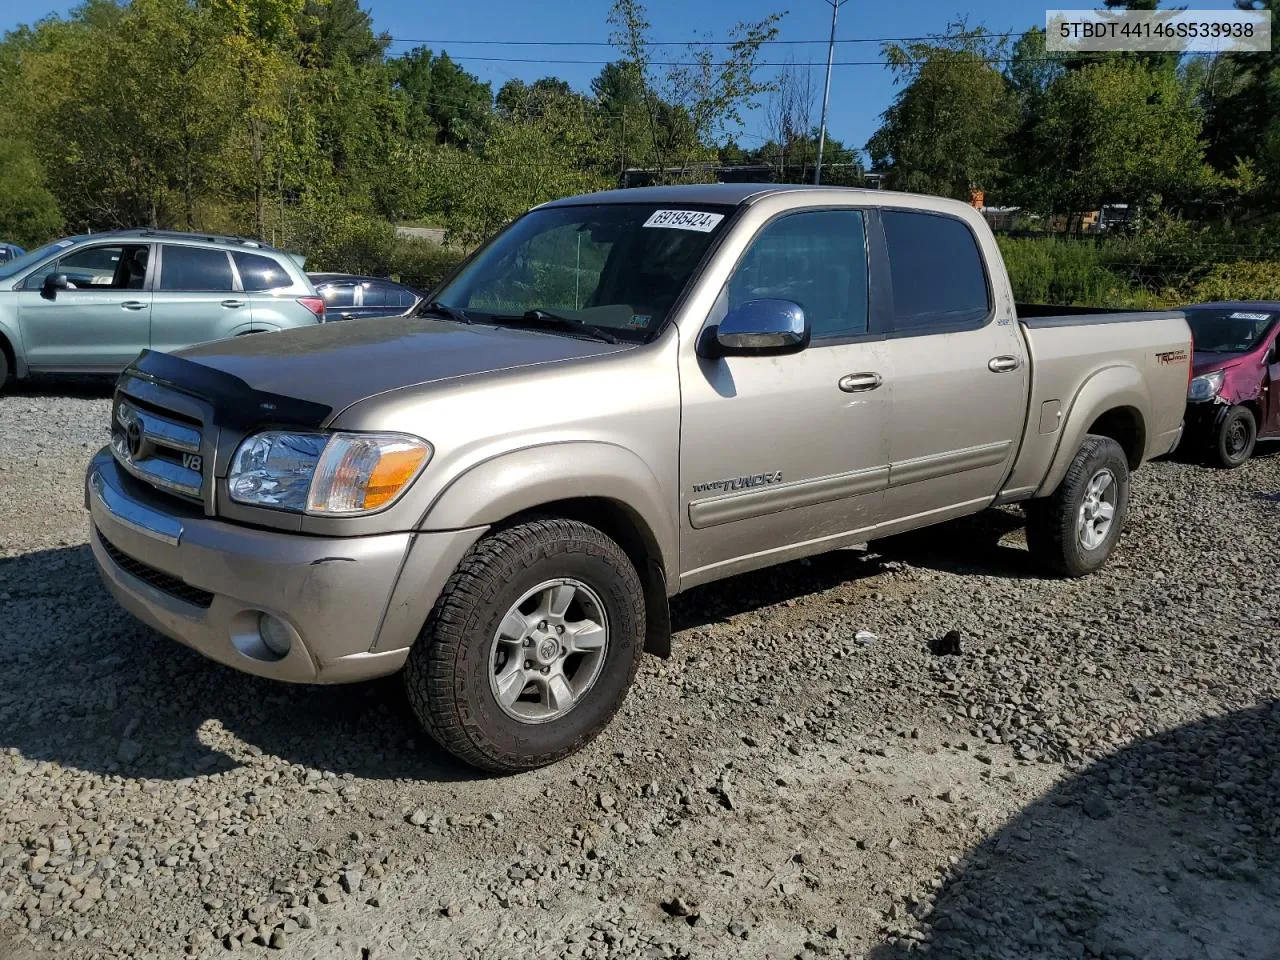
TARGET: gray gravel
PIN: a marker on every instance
(1093, 775)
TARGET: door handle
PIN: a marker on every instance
(232, 304)
(134, 305)
(1003, 364)
(860, 382)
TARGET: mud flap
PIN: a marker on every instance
(657, 613)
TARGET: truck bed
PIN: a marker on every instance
(1086, 363)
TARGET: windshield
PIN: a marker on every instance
(1229, 331)
(14, 267)
(618, 267)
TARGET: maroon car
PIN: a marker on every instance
(1233, 398)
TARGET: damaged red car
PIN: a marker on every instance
(1233, 398)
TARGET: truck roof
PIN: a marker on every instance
(736, 193)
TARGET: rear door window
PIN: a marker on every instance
(937, 276)
(338, 294)
(260, 273)
(195, 269)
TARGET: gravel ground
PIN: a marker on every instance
(1093, 775)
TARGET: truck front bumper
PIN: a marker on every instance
(207, 584)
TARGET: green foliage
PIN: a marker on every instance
(945, 131)
(1052, 270)
(1242, 280)
(29, 213)
(421, 263)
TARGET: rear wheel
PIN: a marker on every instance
(4, 366)
(1073, 531)
(531, 648)
(1235, 438)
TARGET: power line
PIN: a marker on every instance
(700, 43)
(771, 63)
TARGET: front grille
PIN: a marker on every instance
(160, 447)
(152, 577)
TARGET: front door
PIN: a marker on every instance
(98, 326)
(785, 454)
(959, 371)
(1271, 386)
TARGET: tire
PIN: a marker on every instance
(4, 366)
(455, 668)
(1234, 439)
(1060, 538)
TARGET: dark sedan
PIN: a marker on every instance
(349, 296)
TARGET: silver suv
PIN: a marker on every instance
(91, 304)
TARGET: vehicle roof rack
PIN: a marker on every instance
(191, 235)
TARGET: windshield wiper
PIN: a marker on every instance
(443, 310)
(558, 320)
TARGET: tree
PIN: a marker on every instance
(29, 213)
(330, 29)
(445, 102)
(1114, 132)
(528, 157)
(946, 131)
(686, 107)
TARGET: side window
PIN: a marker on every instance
(816, 259)
(376, 295)
(259, 272)
(936, 272)
(338, 294)
(97, 267)
(195, 269)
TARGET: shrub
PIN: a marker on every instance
(1059, 271)
(1242, 280)
(421, 263)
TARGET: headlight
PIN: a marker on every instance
(328, 474)
(1205, 387)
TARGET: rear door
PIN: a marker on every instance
(195, 298)
(383, 299)
(960, 375)
(339, 299)
(100, 325)
(1271, 385)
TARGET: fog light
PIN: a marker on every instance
(277, 636)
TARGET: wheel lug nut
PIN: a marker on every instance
(546, 669)
(528, 664)
(542, 625)
(559, 628)
(528, 641)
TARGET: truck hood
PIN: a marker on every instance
(337, 364)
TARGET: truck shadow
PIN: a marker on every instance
(985, 544)
(84, 387)
(85, 685)
(1166, 848)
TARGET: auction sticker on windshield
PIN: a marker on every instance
(684, 220)
(1250, 316)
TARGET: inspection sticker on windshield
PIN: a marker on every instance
(684, 220)
(1250, 316)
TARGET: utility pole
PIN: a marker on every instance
(826, 90)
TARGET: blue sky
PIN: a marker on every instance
(859, 94)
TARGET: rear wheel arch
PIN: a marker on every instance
(1126, 426)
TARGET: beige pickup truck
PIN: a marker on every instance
(619, 397)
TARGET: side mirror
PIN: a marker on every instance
(53, 283)
(763, 326)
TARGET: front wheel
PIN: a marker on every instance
(1235, 438)
(531, 647)
(1073, 531)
